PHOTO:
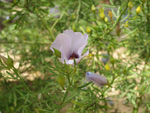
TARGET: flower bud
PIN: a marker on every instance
(130, 5)
(107, 67)
(88, 29)
(7, 61)
(102, 15)
(101, 10)
(61, 80)
(97, 79)
(93, 8)
(3, 59)
(110, 14)
(126, 24)
(138, 9)
(105, 58)
(106, 19)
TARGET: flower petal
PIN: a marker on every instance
(78, 40)
(71, 61)
(63, 56)
(82, 46)
(62, 42)
(85, 54)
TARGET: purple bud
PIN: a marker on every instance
(105, 58)
(97, 79)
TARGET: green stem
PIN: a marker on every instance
(54, 24)
(63, 100)
(45, 23)
(148, 16)
(114, 25)
(68, 79)
(109, 85)
(148, 5)
(21, 79)
(78, 11)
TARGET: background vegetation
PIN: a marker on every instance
(32, 80)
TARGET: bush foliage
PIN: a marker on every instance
(33, 80)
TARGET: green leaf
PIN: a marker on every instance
(57, 52)
(61, 80)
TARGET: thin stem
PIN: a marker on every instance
(16, 72)
(117, 20)
(78, 11)
(63, 100)
(45, 23)
(148, 16)
(109, 84)
(54, 24)
(68, 79)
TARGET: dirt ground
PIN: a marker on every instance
(120, 106)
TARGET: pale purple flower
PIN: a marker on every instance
(71, 45)
(7, 17)
(55, 12)
(97, 79)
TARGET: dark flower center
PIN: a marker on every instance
(74, 55)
